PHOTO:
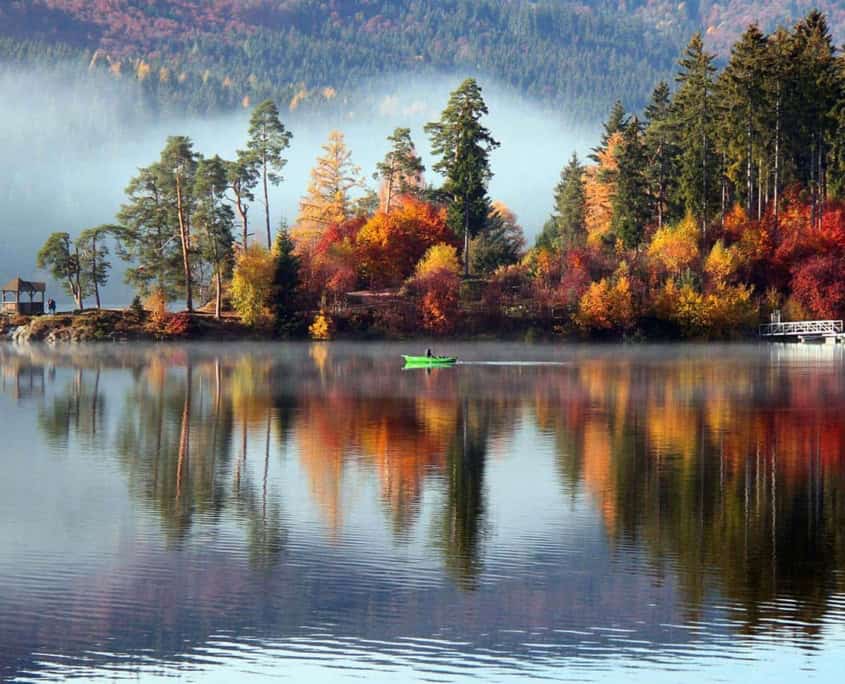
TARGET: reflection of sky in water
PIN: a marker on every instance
(91, 583)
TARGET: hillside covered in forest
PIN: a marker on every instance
(201, 57)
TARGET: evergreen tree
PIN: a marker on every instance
(214, 221)
(285, 282)
(616, 122)
(146, 238)
(661, 155)
(569, 218)
(819, 87)
(463, 145)
(694, 114)
(177, 166)
(242, 177)
(93, 257)
(401, 170)
(631, 202)
(268, 139)
(742, 97)
(502, 244)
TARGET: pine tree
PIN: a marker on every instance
(463, 145)
(268, 139)
(242, 177)
(93, 252)
(567, 226)
(819, 87)
(631, 203)
(146, 237)
(401, 170)
(616, 122)
(661, 154)
(285, 282)
(214, 220)
(177, 166)
(742, 96)
(694, 114)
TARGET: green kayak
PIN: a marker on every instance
(427, 361)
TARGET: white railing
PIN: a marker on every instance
(795, 328)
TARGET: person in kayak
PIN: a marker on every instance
(428, 353)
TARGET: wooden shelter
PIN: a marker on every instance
(18, 289)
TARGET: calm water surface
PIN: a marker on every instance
(316, 513)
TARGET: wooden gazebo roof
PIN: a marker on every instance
(20, 285)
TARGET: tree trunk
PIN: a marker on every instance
(267, 207)
(218, 295)
(749, 185)
(185, 239)
(777, 156)
(94, 270)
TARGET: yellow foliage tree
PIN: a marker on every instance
(327, 200)
(721, 263)
(676, 247)
(599, 190)
(438, 257)
(724, 313)
(252, 284)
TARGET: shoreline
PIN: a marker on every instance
(128, 325)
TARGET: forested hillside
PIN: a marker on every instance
(184, 55)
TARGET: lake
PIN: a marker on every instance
(314, 512)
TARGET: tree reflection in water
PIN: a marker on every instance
(728, 473)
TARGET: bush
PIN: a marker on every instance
(322, 327)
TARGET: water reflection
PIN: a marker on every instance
(697, 488)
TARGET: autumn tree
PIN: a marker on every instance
(327, 199)
(252, 284)
(268, 139)
(463, 146)
(392, 243)
(401, 170)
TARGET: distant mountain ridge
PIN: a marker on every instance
(215, 55)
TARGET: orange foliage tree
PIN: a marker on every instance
(390, 244)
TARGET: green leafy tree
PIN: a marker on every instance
(401, 169)
(616, 122)
(214, 220)
(93, 257)
(60, 257)
(268, 139)
(502, 244)
(463, 145)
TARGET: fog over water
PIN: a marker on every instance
(69, 149)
